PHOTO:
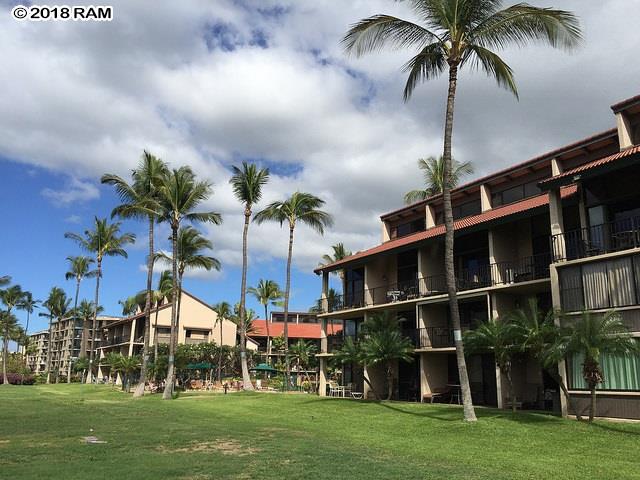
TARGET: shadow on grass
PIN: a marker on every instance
(612, 427)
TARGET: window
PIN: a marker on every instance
(408, 228)
(621, 372)
(513, 194)
(607, 284)
(467, 209)
(354, 288)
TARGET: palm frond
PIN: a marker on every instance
(426, 65)
(492, 65)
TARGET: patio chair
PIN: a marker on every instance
(334, 388)
(436, 394)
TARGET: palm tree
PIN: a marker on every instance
(455, 33)
(84, 312)
(503, 338)
(8, 329)
(126, 365)
(191, 244)
(57, 305)
(103, 241)
(164, 291)
(139, 200)
(339, 253)
(29, 304)
(302, 353)
(79, 269)
(595, 335)
(267, 292)
(223, 312)
(11, 297)
(544, 340)
(81, 365)
(179, 194)
(303, 208)
(4, 280)
(247, 183)
(433, 171)
(130, 305)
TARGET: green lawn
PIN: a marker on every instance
(272, 436)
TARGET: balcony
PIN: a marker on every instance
(530, 268)
(608, 237)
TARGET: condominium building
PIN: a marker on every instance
(563, 228)
(198, 323)
(37, 361)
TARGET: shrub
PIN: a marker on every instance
(19, 379)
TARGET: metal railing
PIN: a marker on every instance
(535, 267)
(615, 236)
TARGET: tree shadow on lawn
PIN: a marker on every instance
(613, 427)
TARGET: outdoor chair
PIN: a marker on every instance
(437, 394)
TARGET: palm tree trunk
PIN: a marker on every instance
(220, 320)
(286, 307)
(168, 388)
(389, 382)
(26, 332)
(5, 355)
(266, 317)
(95, 320)
(75, 320)
(246, 379)
(565, 391)
(469, 413)
(155, 336)
(507, 371)
(592, 408)
(139, 391)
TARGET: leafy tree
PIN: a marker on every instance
(81, 365)
(179, 195)
(105, 240)
(433, 172)
(79, 269)
(453, 34)
(267, 292)
(503, 338)
(338, 253)
(302, 208)
(29, 304)
(140, 200)
(595, 335)
(12, 297)
(303, 353)
(247, 183)
(9, 330)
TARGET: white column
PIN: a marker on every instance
(625, 137)
(485, 197)
(430, 216)
(132, 336)
(322, 380)
(557, 223)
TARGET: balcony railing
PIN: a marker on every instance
(608, 237)
(535, 267)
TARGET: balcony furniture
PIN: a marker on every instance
(357, 395)
(508, 404)
(436, 394)
(456, 394)
(333, 388)
(394, 295)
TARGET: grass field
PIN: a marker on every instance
(272, 436)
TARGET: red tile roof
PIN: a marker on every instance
(591, 165)
(295, 330)
(493, 214)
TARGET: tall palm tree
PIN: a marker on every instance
(267, 292)
(162, 293)
(139, 200)
(179, 194)
(131, 304)
(79, 269)
(594, 335)
(544, 341)
(57, 305)
(339, 253)
(302, 208)
(84, 313)
(503, 338)
(105, 240)
(453, 34)
(11, 297)
(29, 304)
(8, 330)
(247, 183)
(302, 352)
(223, 312)
(433, 172)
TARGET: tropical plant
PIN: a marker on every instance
(84, 313)
(132, 304)
(544, 341)
(267, 292)
(81, 365)
(57, 306)
(4, 280)
(454, 34)
(339, 253)
(247, 183)
(126, 366)
(223, 312)
(594, 335)
(11, 297)
(29, 304)
(302, 208)
(179, 194)
(504, 339)
(79, 269)
(105, 240)
(139, 200)
(9, 330)
(433, 172)
(164, 291)
(302, 353)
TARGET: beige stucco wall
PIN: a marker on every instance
(434, 372)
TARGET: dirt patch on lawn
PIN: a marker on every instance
(226, 447)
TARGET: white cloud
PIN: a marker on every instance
(74, 191)
(193, 84)
(76, 219)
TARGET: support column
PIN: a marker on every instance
(557, 305)
(485, 197)
(386, 234)
(625, 137)
(132, 336)
(325, 291)
(430, 218)
(322, 379)
(558, 248)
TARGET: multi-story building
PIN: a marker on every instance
(563, 228)
(37, 361)
(198, 324)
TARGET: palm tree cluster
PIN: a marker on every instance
(530, 331)
(448, 36)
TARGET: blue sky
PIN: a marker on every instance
(209, 84)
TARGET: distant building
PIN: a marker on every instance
(37, 361)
